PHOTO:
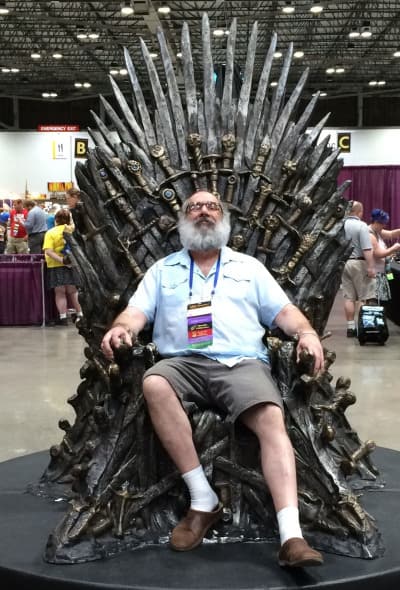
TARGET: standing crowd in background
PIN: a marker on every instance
(28, 229)
(367, 273)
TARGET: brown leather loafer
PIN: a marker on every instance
(296, 552)
(190, 531)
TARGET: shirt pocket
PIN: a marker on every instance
(174, 286)
(237, 282)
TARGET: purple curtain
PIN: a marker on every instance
(374, 186)
(21, 291)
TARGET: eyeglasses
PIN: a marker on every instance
(210, 205)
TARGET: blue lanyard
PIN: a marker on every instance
(215, 276)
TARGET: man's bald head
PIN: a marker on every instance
(357, 209)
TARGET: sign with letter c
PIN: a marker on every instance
(344, 142)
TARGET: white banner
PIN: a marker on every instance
(59, 149)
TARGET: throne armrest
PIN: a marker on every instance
(139, 353)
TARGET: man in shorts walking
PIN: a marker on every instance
(358, 279)
(209, 306)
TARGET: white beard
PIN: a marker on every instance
(201, 237)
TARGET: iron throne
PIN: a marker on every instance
(280, 185)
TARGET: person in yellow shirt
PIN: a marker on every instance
(60, 275)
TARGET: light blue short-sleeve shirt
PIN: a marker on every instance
(246, 300)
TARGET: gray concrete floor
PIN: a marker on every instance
(39, 370)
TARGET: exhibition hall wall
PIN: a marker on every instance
(373, 167)
(368, 147)
(31, 159)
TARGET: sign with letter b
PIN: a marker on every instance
(81, 147)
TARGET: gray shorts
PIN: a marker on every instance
(356, 285)
(210, 384)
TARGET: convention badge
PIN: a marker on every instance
(389, 276)
(199, 323)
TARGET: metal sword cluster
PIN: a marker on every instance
(279, 183)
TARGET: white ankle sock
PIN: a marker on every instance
(351, 324)
(202, 496)
(289, 524)
(63, 316)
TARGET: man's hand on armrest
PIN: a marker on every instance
(124, 330)
(294, 323)
(308, 341)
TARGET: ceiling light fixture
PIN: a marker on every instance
(179, 54)
(277, 54)
(339, 70)
(35, 55)
(366, 32)
(5, 70)
(298, 54)
(274, 84)
(3, 8)
(164, 10)
(316, 7)
(123, 72)
(354, 33)
(330, 70)
(81, 34)
(57, 54)
(396, 53)
(78, 84)
(127, 9)
(218, 32)
(86, 84)
(381, 82)
(15, 70)
(323, 93)
(288, 8)
(53, 94)
(93, 35)
(373, 83)
(153, 55)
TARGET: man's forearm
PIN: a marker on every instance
(131, 320)
(293, 322)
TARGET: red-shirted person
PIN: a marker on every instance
(18, 238)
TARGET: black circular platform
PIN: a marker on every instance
(26, 521)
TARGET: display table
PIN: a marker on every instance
(24, 299)
(26, 522)
(393, 306)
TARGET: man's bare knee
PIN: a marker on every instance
(156, 387)
(266, 418)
